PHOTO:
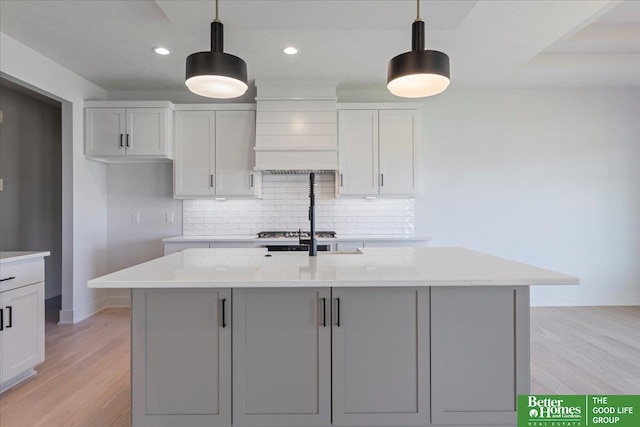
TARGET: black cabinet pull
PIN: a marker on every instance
(338, 312)
(10, 309)
(121, 143)
(341, 181)
(7, 278)
(224, 315)
(324, 312)
(128, 143)
(1, 319)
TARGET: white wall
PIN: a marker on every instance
(547, 177)
(84, 207)
(146, 189)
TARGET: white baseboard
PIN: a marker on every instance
(66, 317)
(17, 380)
(70, 317)
(119, 301)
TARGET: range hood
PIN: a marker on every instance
(296, 128)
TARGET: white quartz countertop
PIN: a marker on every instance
(369, 267)
(346, 238)
(15, 256)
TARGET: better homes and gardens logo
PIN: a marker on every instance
(578, 411)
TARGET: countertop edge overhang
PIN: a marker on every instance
(377, 267)
(9, 257)
(317, 284)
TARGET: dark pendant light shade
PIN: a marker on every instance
(216, 74)
(418, 73)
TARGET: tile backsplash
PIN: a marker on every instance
(285, 206)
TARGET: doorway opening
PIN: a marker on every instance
(31, 173)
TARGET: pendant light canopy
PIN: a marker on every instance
(216, 74)
(419, 72)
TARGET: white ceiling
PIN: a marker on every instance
(519, 43)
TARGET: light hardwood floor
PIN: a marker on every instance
(585, 350)
(84, 381)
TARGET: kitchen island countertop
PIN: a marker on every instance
(366, 267)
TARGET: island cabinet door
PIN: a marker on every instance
(479, 354)
(181, 358)
(380, 356)
(281, 357)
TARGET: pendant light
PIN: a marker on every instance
(419, 72)
(216, 74)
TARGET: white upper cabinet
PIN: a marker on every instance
(105, 130)
(214, 154)
(123, 132)
(195, 153)
(399, 139)
(358, 136)
(235, 157)
(378, 151)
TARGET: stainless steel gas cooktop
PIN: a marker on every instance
(294, 234)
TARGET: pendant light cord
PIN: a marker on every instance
(417, 15)
(217, 18)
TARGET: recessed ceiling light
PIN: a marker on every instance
(161, 50)
(290, 50)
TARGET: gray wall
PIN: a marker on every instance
(31, 167)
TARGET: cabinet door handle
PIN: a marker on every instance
(224, 314)
(381, 180)
(341, 181)
(7, 278)
(10, 310)
(128, 142)
(338, 312)
(324, 312)
(1, 319)
(121, 142)
(251, 180)
(210, 181)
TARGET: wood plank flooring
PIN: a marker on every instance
(585, 350)
(84, 381)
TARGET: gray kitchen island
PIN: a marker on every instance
(375, 337)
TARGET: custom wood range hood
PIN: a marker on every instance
(296, 128)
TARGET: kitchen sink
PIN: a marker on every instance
(349, 252)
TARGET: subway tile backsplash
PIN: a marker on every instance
(285, 206)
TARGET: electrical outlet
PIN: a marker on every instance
(170, 217)
(135, 218)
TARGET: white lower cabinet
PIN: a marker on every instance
(380, 353)
(181, 358)
(282, 357)
(21, 323)
(316, 357)
(480, 354)
(23, 329)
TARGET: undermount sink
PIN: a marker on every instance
(349, 252)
